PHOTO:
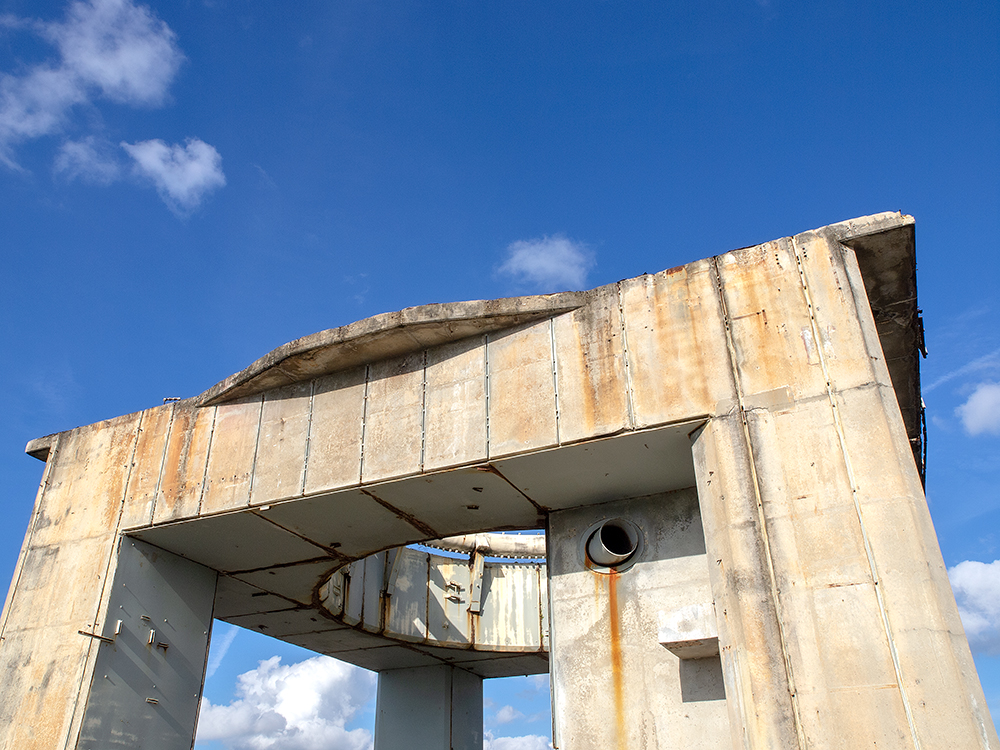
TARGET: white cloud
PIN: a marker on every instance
(303, 706)
(527, 742)
(981, 412)
(88, 160)
(507, 714)
(977, 590)
(107, 48)
(219, 650)
(183, 175)
(548, 263)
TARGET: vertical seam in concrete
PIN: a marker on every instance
(309, 427)
(256, 449)
(486, 356)
(555, 374)
(364, 420)
(163, 462)
(761, 518)
(208, 458)
(26, 545)
(121, 512)
(629, 395)
(74, 720)
(869, 552)
(423, 413)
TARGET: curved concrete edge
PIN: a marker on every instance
(383, 336)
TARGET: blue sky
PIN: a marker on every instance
(187, 185)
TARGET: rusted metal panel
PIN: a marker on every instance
(772, 331)
(184, 463)
(147, 464)
(511, 618)
(374, 584)
(590, 369)
(231, 455)
(281, 452)
(455, 416)
(406, 616)
(338, 406)
(678, 366)
(448, 617)
(354, 597)
(522, 398)
(393, 418)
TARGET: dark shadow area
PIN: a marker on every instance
(701, 680)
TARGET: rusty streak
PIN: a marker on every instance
(617, 671)
(494, 470)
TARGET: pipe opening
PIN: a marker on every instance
(613, 543)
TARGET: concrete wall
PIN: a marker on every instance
(614, 684)
(833, 604)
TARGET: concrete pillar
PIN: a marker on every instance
(836, 622)
(433, 708)
(151, 660)
(616, 683)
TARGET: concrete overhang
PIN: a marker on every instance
(284, 550)
(383, 336)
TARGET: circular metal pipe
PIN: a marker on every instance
(612, 543)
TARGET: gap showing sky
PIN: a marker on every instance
(186, 186)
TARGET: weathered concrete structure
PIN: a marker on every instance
(722, 455)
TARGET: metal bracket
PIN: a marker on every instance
(476, 585)
(101, 638)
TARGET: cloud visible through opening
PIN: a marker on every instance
(527, 742)
(111, 50)
(304, 706)
(977, 591)
(548, 263)
(981, 412)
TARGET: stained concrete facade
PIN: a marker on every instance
(753, 417)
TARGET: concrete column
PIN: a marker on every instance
(617, 685)
(151, 661)
(433, 708)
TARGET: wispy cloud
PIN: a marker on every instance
(111, 49)
(548, 263)
(219, 650)
(981, 412)
(89, 160)
(989, 361)
(304, 706)
(977, 590)
(183, 175)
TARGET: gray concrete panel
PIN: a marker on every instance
(152, 653)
